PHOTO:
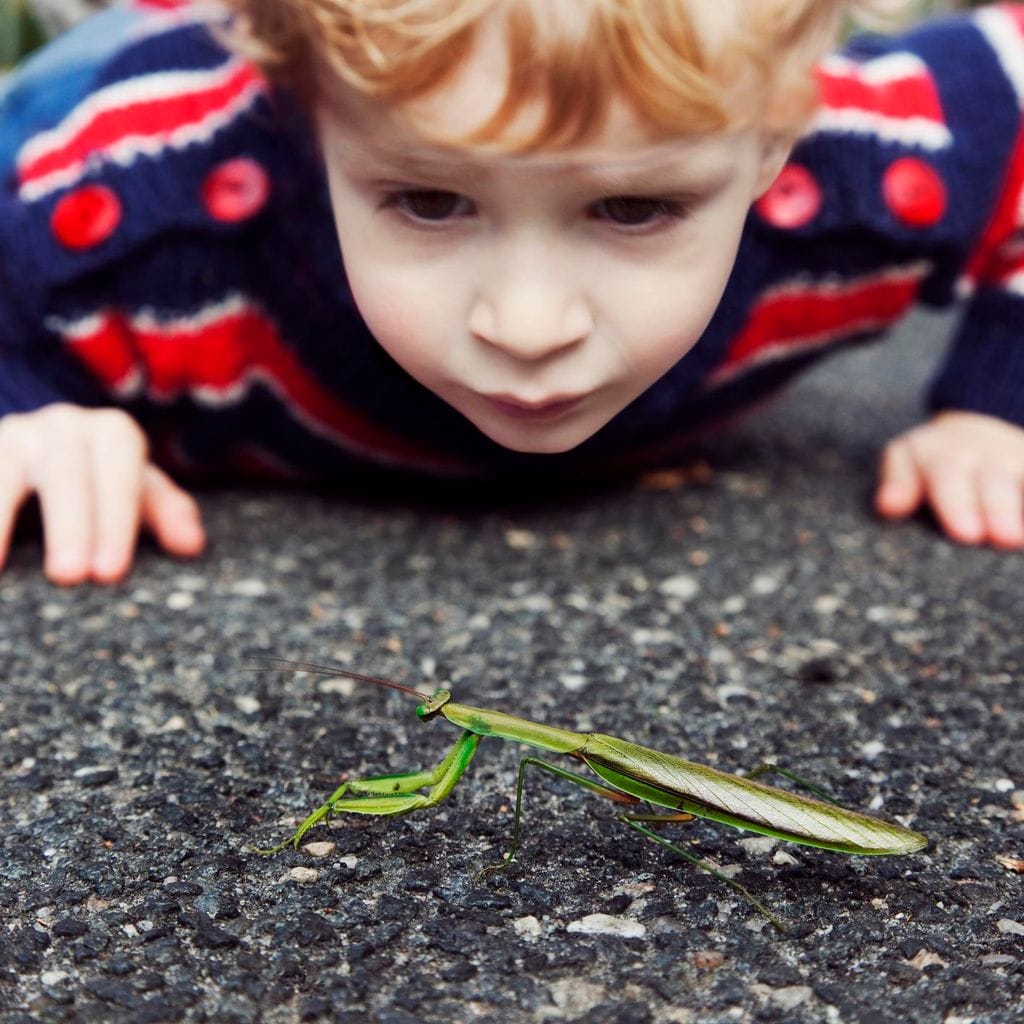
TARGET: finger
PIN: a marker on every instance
(13, 492)
(171, 514)
(901, 486)
(118, 453)
(64, 486)
(954, 497)
(1002, 507)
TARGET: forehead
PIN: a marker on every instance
(623, 155)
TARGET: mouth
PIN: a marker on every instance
(542, 411)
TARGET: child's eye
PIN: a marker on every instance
(637, 211)
(429, 205)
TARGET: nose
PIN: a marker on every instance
(530, 315)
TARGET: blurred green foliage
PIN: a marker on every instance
(20, 32)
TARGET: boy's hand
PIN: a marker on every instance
(968, 467)
(95, 484)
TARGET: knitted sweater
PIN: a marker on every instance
(167, 246)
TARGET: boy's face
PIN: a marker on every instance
(537, 294)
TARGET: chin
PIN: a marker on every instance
(538, 441)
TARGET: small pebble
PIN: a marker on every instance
(926, 958)
(791, 996)
(642, 637)
(765, 583)
(681, 586)
(528, 927)
(997, 960)
(519, 540)
(343, 687)
(573, 681)
(883, 614)
(191, 581)
(249, 588)
(302, 875)
(95, 775)
(605, 924)
(758, 846)
(324, 849)
(708, 959)
(1008, 927)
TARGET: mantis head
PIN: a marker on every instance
(433, 704)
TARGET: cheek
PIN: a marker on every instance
(665, 323)
(669, 312)
(397, 298)
(402, 319)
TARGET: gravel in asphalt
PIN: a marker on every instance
(747, 608)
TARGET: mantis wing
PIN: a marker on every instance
(697, 789)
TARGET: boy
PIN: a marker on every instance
(551, 263)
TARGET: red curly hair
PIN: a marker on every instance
(685, 66)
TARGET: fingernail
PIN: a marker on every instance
(108, 564)
(65, 565)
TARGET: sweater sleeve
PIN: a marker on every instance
(984, 370)
(35, 368)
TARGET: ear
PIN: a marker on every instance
(775, 150)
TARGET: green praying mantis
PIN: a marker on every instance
(627, 773)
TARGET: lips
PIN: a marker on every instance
(523, 409)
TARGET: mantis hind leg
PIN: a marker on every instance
(633, 821)
(562, 773)
(768, 768)
(391, 795)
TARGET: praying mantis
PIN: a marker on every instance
(627, 773)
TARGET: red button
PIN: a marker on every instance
(236, 190)
(914, 192)
(84, 218)
(793, 199)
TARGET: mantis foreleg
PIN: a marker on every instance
(391, 795)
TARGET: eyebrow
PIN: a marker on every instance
(702, 172)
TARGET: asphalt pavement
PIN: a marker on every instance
(743, 609)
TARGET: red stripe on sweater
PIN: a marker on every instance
(798, 318)
(986, 262)
(108, 350)
(912, 95)
(217, 363)
(153, 119)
